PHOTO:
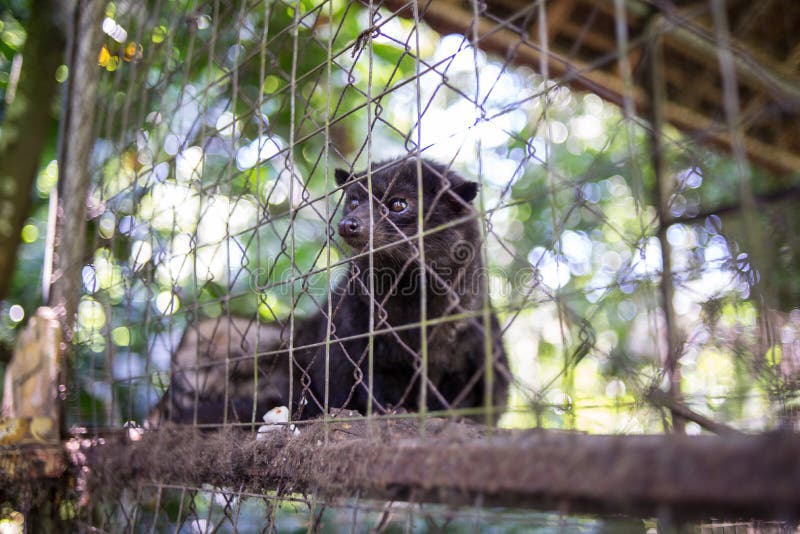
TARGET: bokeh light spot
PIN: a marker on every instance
(16, 313)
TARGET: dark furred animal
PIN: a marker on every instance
(452, 285)
(390, 286)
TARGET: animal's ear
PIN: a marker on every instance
(466, 190)
(341, 176)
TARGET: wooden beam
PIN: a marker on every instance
(732, 476)
(752, 66)
(597, 41)
(557, 13)
(713, 133)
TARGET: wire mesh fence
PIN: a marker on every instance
(523, 214)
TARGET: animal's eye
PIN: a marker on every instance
(398, 205)
(353, 204)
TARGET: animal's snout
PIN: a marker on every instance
(350, 227)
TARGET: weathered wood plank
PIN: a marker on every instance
(735, 476)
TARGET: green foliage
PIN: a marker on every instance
(12, 39)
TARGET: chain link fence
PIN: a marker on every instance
(392, 222)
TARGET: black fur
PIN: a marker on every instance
(454, 282)
(453, 285)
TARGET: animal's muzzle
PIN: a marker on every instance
(351, 228)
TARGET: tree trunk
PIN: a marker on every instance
(26, 127)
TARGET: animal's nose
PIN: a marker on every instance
(349, 227)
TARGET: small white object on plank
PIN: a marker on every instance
(276, 419)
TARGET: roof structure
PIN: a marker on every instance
(697, 51)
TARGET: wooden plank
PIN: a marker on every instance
(30, 412)
(752, 66)
(603, 43)
(715, 134)
(733, 476)
(27, 463)
(29, 429)
(556, 13)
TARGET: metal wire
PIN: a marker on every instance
(214, 211)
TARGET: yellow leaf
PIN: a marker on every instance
(104, 56)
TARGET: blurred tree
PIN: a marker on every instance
(28, 119)
(32, 39)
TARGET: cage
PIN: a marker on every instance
(441, 265)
